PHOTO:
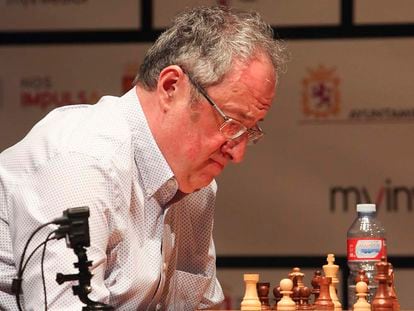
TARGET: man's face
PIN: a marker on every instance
(199, 152)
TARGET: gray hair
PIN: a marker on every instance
(205, 42)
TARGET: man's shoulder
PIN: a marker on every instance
(97, 131)
(101, 130)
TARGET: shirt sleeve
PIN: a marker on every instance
(213, 294)
(65, 181)
(193, 283)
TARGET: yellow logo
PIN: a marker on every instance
(321, 96)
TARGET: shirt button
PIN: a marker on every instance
(158, 306)
(171, 184)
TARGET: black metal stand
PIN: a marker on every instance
(75, 227)
(84, 276)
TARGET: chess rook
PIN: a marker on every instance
(391, 289)
(324, 301)
(382, 300)
(251, 300)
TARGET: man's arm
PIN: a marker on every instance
(63, 182)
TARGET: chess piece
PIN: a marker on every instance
(297, 277)
(296, 294)
(391, 289)
(277, 295)
(361, 277)
(324, 301)
(382, 300)
(331, 270)
(263, 292)
(304, 294)
(315, 284)
(361, 304)
(250, 301)
(286, 303)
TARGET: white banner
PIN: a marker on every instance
(339, 133)
(52, 15)
(34, 80)
(383, 11)
(275, 12)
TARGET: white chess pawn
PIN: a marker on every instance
(251, 300)
(331, 270)
(362, 292)
(286, 303)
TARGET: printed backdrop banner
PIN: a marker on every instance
(34, 80)
(339, 133)
(280, 12)
(383, 11)
(35, 15)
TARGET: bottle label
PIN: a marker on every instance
(366, 249)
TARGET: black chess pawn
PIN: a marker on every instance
(361, 277)
(263, 293)
(304, 294)
(278, 296)
(315, 284)
(296, 294)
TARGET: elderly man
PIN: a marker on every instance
(144, 164)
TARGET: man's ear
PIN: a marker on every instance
(170, 85)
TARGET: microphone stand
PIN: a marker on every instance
(74, 225)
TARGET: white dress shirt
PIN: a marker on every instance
(147, 254)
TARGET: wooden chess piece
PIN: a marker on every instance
(382, 300)
(362, 276)
(297, 276)
(250, 301)
(304, 294)
(286, 303)
(361, 304)
(391, 288)
(315, 284)
(331, 270)
(263, 292)
(296, 294)
(324, 301)
(277, 295)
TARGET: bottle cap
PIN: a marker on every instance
(366, 208)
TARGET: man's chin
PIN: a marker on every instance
(197, 185)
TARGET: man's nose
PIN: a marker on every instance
(235, 149)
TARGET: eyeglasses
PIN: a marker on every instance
(231, 129)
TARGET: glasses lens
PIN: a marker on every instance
(232, 129)
(254, 134)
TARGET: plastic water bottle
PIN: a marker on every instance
(366, 245)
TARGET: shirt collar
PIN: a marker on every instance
(153, 167)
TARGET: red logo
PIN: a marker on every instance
(320, 95)
(366, 249)
(128, 78)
